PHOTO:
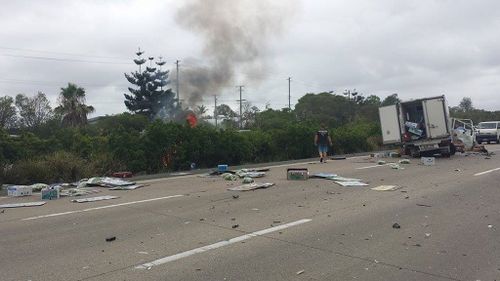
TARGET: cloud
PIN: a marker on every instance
(414, 48)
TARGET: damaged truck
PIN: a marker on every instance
(420, 126)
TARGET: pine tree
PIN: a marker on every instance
(149, 96)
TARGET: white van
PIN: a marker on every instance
(488, 132)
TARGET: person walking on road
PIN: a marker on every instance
(322, 140)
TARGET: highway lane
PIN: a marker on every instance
(350, 235)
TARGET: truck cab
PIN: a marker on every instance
(488, 132)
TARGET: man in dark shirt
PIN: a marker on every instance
(322, 140)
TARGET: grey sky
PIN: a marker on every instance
(413, 48)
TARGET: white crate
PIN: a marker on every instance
(19, 190)
(428, 161)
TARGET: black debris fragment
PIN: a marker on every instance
(236, 196)
(396, 225)
(276, 221)
(424, 205)
(111, 238)
(235, 226)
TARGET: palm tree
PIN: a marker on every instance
(72, 107)
(200, 110)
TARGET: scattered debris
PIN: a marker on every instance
(255, 209)
(110, 239)
(490, 226)
(276, 221)
(297, 174)
(458, 170)
(404, 161)
(19, 190)
(396, 226)
(337, 178)
(107, 182)
(94, 199)
(222, 168)
(428, 161)
(300, 272)
(229, 177)
(51, 192)
(351, 183)
(386, 188)
(236, 196)
(424, 205)
(127, 187)
(396, 166)
(19, 205)
(427, 235)
(328, 176)
(251, 186)
(143, 253)
(70, 192)
(235, 226)
(243, 173)
(248, 180)
(381, 162)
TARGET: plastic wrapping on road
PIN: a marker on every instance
(94, 199)
(251, 186)
(386, 188)
(20, 205)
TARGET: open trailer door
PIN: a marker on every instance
(389, 121)
(436, 116)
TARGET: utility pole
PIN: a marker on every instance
(289, 95)
(177, 80)
(241, 106)
(215, 110)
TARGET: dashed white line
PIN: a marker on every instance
(99, 208)
(486, 172)
(218, 244)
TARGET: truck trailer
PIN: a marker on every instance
(420, 126)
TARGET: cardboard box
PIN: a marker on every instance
(50, 193)
(428, 161)
(297, 174)
(19, 190)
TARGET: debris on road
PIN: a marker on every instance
(19, 190)
(351, 183)
(19, 205)
(396, 226)
(328, 176)
(404, 161)
(107, 182)
(127, 187)
(381, 162)
(110, 239)
(424, 205)
(297, 174)
(50, 193)
(386, 188)
(235, 226)
(490, 226)
(94, 199)
(248, 180)
(428, 161)
(427, 235)
(229, 177)
(251, 186)
(236, 196)
(300, 272)
(70, 192)
(395, 166)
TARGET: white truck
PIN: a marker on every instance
(419, 126)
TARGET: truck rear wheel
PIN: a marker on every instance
(453, 149)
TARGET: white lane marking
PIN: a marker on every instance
(266, 167)
(219, 244)
(374, 166)
(100, 208)
(486, 172)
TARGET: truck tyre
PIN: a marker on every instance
(414, 152)
(453, 149)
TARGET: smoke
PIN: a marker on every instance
(236, 35)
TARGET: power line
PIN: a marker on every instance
(62, 53)
(63, 59)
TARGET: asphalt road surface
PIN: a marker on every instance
(192, 228)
